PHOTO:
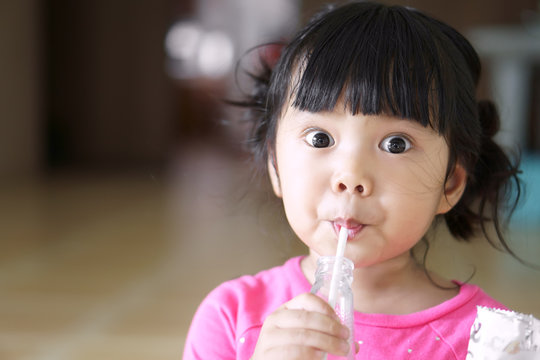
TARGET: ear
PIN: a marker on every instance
(273, 173)
(453, 189)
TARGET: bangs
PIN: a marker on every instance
(377, 60)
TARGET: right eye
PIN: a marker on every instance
(319, 139)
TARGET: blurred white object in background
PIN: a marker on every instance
(196, 52)
(215, 55)
(208, 44)
(182, 39)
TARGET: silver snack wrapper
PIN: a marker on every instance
(504, 335)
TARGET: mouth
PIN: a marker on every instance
(353, 226)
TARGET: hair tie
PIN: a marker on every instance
(270, 53)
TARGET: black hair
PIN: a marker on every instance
(396, 61)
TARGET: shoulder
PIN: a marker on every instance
(240, 304)
(460, 311)
(259, 293)
(472, 296)
(455, 324)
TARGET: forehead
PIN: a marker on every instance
(339, 108)
(356, 92)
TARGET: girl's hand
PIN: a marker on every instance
(304, 328)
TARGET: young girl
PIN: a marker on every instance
(368, 121)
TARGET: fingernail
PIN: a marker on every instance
(344, 332)
(345, 347)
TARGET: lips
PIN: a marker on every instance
(353, 226)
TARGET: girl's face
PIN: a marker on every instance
(381, 177)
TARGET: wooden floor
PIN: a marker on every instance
(96, 266)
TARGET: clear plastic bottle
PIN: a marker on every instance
(344, 297)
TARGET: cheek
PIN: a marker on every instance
(414, 192)
(417, 177)
(301, 186)
(413, 197)
(300, 208)
(292, 185)
(407, 224)
(295, 166)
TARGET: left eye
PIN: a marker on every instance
(395, 144)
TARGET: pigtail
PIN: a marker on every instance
(256, 104)
(493, 189)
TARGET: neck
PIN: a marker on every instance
(397, 286)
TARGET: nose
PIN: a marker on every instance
(352, 178)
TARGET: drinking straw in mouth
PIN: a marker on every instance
(336, 273)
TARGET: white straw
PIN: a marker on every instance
(336, 273)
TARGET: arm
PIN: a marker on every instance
(212, 331)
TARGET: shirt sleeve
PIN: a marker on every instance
(212, 334)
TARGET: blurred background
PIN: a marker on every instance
(124, 195)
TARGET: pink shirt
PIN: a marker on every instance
(228, 321)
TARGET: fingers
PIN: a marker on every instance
(293, 352)
(314, 339)
(310, 320)
(310, 302)
(312, 312)
(304, 328)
